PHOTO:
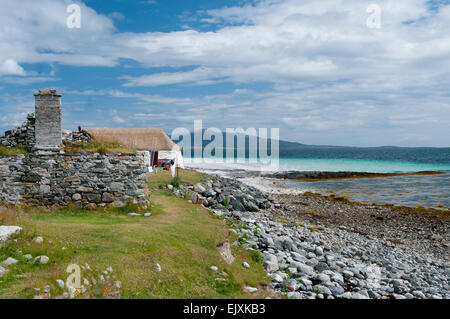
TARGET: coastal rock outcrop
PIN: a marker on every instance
(226, 194)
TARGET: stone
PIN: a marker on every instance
(321, 266)
(318, 251)
(277, 278)
(250, 289)
(271, 263)
(94, 197)
(9, 261)
(43, 260)
(198, 188)
(418, 294)
(7, 231)
(107, 198)
(147, 214)
(194, 198)
(83, 189)
(250, 206)
(322, 290)
(134, 214)
(44, 189)
(245, 264)
(214, 268)
(347, 274)
(356, 295)
(117, 204)
(305, 269)
(116, 187)
(337, 290)
(76, 197)
(38, 240)
(236, 205)
(60, 283)
(321, 278)
(28, 257)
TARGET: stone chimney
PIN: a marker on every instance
(48, 112)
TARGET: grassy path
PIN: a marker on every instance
(179, 236)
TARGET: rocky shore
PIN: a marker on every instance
(315, 247)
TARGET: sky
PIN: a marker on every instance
(334, 72)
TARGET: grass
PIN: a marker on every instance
(12, 151)
(96, 147)
(181, 237)
(164, 178)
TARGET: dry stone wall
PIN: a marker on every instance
(22, 136)
(81, 180)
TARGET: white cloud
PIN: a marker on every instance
(11, 67)
(326, 74)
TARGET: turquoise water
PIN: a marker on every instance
(357, 165)
(321, 164)
(430, 191)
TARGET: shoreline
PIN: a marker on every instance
(422, 229)
(318, 248)
(274, 183)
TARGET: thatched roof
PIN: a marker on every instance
(137, 138)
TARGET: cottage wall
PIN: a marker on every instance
(80, 180)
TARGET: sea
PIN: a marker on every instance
(427, 190)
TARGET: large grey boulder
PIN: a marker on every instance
(250, 206)
(237, 205)
(198, 188)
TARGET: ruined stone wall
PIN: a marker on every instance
(22, 136)
(80, 180)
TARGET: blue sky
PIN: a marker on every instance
(314, 69)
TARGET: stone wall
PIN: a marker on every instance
(80, 180)
(22, 136)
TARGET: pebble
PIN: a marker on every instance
(214, 268)
(134, 214)
(38, 240)
(250, 289)
(245, 264)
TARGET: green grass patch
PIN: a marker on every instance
(181, 237)
(96, 147)
(13, 151)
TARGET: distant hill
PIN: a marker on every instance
(390, 153)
